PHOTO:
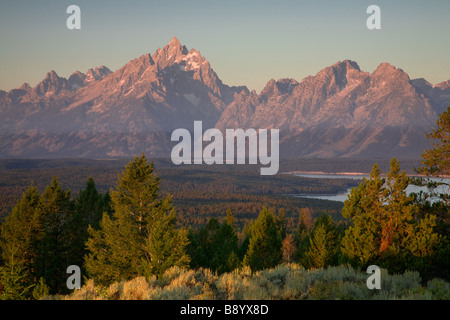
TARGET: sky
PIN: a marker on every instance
(246, 42)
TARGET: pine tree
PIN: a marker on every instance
(229, 219)
(302, 234)
(289, 247)
(20, 236)
(89, 206)
(140, 236)
(215, 246)
(54, 211)
(364, 207)
(228, 240)
(281, 218)
(14, 279)
(322, 250)
(386, 227)
(265, 245)
(40, 290)
(436, 161)
(165, 246)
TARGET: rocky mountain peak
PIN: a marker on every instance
(286, 85)
(96, 74)
(26, 87)
(346, 65)
(51, 76)
(341, 111)
(170, 53)
(270, 89)
(388, 77)
(76, 80)
(330, 81)
(386, 69)
(283, 86)
(52, 84)
(174, 43)
(422, 86)
(443, 85)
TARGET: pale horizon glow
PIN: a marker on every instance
(247, 42)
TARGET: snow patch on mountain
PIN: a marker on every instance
(192, 98)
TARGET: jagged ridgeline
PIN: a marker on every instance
(342, 111)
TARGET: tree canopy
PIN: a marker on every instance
(436, 161)
(387, 228)
(140, 237)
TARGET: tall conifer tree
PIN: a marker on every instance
(139, 237)
(19, 239)
(54, 211)
(386, 227)
(322, 250)
(89, 206)
(265, 245)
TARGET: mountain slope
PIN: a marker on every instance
(341, 111)
(131, 110)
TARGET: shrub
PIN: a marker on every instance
(230, 286)
(283, 282)
(136, 289)
(179, 284)
(439, 289)
(88, 292)
(399, 284)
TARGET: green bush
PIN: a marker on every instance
(439, 289)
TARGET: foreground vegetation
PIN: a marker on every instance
(128, 238)
(129, 235)
(286, 282)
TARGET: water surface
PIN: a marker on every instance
(342, 196)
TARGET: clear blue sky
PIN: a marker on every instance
(246, 42)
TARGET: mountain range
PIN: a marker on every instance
(341, 111)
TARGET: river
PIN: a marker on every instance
(342, 196)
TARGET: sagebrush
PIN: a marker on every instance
(284, 282)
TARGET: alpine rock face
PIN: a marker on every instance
(113, 114)
(344, 112)
(340, 112)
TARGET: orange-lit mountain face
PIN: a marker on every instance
(341, 111)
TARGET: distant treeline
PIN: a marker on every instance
(199, 191)
(302, 164)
